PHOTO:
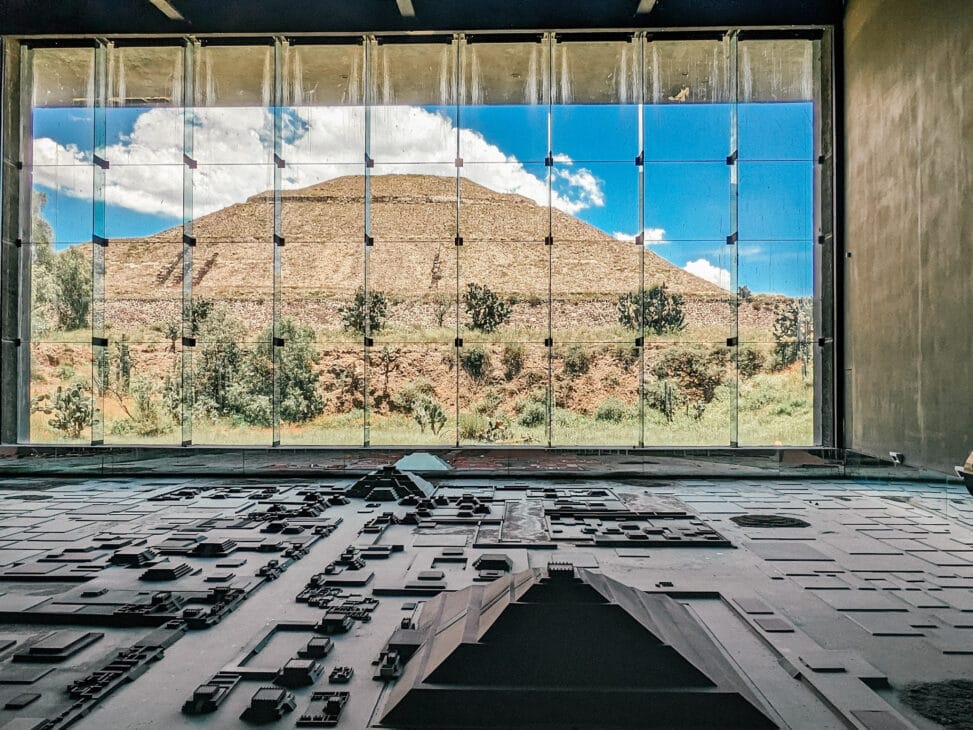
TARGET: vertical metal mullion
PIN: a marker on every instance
(459, 95)
(16, 261)
(734, 158)
(825, 372)
(188, 238)
(99, 238)
(548, 83)
(641, 40)
(277, 343)
(369, 51)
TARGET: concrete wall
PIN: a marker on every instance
(909, 229)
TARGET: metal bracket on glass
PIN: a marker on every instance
(189, 342)
(824, 238)
(549, 161)
(18, 243)
(369, 162)
(189, 162)
(369, 240)
(279, 161)
(731, 239)
(548, 342)
(101, 162)
(640, 160)
(639, 341)
(188, 240)
(278, 342)
(187, 442)
(100, 240)
(369, 342)
(822, 341)
(458, 240)
(278, 239)
(732, 158)
(458, 162)
(639, 239)
(97, 442)
(99, 342)
(548, 240)
(458, 342)
(731, 341)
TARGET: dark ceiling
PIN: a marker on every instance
(108, 17)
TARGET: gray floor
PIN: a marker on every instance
(827, 622)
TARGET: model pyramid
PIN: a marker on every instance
(566, 650)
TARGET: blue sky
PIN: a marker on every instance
(687, 211)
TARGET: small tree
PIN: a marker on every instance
(744, 294)
(297, 377)
(123, 365)
(661, 311)
(487, 310)
(367, 312)
(387, 362)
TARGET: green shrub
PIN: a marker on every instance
(428, 412)
(695, 373)
(366, 314)
(577, 360)
(625, 355)
(404, 399)
(662, 397)
(660, 311)
(477, 427)
(512, 360)
(149, 415)
(475, 361)
(487, 311)
(750, 362)
(70, 409)
(792, 323)
(533, 414)
(611, 410)
(490, 402)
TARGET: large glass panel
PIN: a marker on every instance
(233, 392)
(690, 394)
(412, 401)
(537, 239)
(503, 393)
(412, 286)
(141, 390)
(596, 394)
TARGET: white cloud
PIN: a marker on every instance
(649, 235)
(713, 274)
(234, 149)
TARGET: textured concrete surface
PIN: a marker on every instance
(909, 229)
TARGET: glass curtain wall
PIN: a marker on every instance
(548, 239)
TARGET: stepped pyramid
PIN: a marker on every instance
(414, 220)
(565, 651)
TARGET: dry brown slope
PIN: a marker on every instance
(414, 220)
